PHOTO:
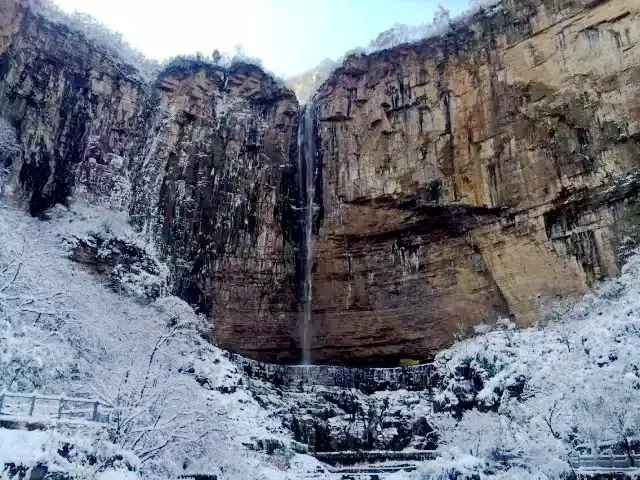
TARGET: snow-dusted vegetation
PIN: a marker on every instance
(9, 148)
(442, 23)
(510, 403)
(113, 43)
(518, 403)
(116, 46)
(170, 399)
(399, 33)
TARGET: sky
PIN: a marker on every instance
(290, 36)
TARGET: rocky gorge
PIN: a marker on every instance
(469, 176)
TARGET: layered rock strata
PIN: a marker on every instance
(199, 156)
(469, 176)
(474, 175)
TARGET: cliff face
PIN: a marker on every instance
(471, 175)
(72, 106)
(457, 179)
(199, 157)
(220, 167)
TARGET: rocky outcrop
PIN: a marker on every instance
(331, 419)
(468, 175)
(367, 380)
(129, 266)
(199, 156)
(226, 191)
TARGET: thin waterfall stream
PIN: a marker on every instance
(306, 175)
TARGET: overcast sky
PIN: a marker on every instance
(289, 36)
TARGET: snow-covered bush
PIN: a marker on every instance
(98, 34)
(528, 398)
(25, 454)
(28, 362)
(9, 149)
(451, 465)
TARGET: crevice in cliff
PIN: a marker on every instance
(417, 217)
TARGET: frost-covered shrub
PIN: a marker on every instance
(25, 454)
(451, 465)
(27, 362)
(98, 34)
(9, 148)
(481, 381)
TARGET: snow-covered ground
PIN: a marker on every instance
(30, 448)
(511, 403)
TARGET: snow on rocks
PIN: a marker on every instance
(174, 399)
(506, 403)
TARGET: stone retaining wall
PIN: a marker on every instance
(419, 377)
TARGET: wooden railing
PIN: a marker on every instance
(49, 407)
(606, 455)
(604, 461)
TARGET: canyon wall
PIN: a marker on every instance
(469, 176)
(197, 153)
(475, 174)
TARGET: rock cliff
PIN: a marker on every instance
(464, 177)
(472, 175)
(199, 157)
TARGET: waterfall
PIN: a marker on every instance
(306, 176)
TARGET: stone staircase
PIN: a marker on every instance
(359, 427)
(360, 473)
(369, 465)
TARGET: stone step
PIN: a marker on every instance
(373, 457)
(363, 473)
(371, 469)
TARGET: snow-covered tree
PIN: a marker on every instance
(441, 19)
(29, 316)
(147, 412)
(9, 150)
(8, 138)
(99, 35)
